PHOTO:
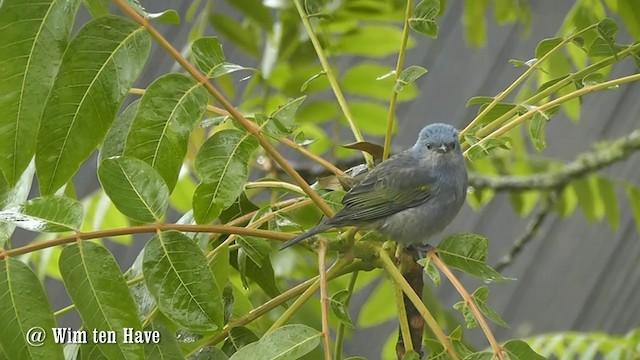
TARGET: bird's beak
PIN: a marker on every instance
(442, 149)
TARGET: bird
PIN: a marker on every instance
(409, 197)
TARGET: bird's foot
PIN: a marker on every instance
(419, 251)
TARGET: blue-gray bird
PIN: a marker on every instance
(409, 197)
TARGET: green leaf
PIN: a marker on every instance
(593, 79)
(289, 342)
(135, 188)
(317, 111)
(178, 276)
(101, 296)
(408, 76)
(547, 45)
(469, 318)
(239, 337)
(468, 252)
(479, 100)
(34, 35)
(236, 33)
(610, 202)
(115, 140)
(520, 350)
(257, 249)
(633, 193)
(165, 17)
(46, 214)
(608, 28)
(210, 59)
(13, 197)
(159, 132)
(223, 165)
(422, 19)
(537, 131)
(166, 349)
(630, 14)
(97, 7)
(256, 11)
(263, 275)
(370, 117)
(431, 270)
(25, 307)
(339, 307)
(586, 198)
(100, 213)
(480, 296)
(282, 122)
(474, 20)
(371, 41)
(97, 70)
(377, 310)
(484, 149)
(363, 79)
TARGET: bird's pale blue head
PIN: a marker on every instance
(438, 139)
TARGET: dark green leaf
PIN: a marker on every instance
(262, 275)
(480, 296)
(239, 337)
(484, 149)
(425, 27)
(339, 307)
(408, 76)
(633, 194)
(479, 100)
(520, 350)
(178, 276)
(537, 131)
(101, 296)
(422, 20)
(469, 318)
(46, 214)
(25, 307)
(34, 36)
(610, 202)
(289, 342)
(468, 252)
(592, 79)
(241, 206)
(603, 47)
(257, 249)
(608, 28)
(497, 111)
(546, 46)
(159, 133)
(135, 188)
(256, 11)
(166, 17)
(98, 68)
(235, 32)
(223, 165)
(115, 140)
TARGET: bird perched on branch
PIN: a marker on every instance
(409, 197)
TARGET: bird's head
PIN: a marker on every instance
(438, 141)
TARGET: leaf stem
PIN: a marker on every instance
(324, 300)
(520, 79)
(251, 127)
(337, 354)
(333, 82)
(572, 95)
(398, 71)
(397, 277)
(468, 299)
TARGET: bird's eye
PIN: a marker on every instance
(429, 146)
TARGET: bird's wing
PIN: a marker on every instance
(391, 187)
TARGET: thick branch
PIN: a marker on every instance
(606, 154)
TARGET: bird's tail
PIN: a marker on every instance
(316, 230)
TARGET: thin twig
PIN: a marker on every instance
(324, 299)
(468, 299)
(397, 277)
(398, 71)
(333, 82)
(529, 233)
(251, 127)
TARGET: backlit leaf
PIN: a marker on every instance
(46, 214)
(468, 252)
(289, 342)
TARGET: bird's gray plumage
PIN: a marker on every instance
(409, 197)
